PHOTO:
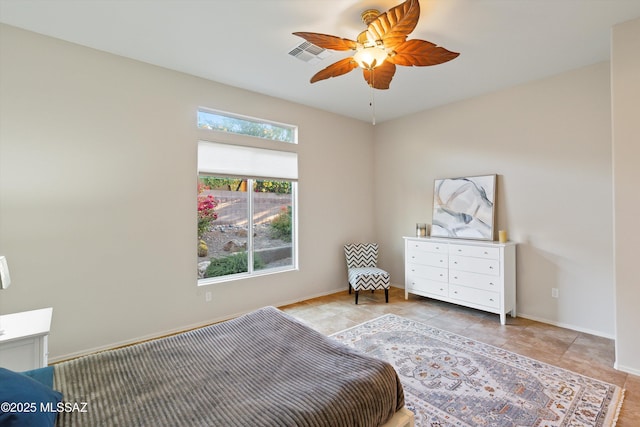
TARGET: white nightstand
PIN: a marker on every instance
(24, 344)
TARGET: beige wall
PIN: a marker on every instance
(625, 69)
(550, 143)
(98, 187)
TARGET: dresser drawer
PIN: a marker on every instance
(426, 272)
(475, 296)
(421, 285)
(441, 248)
(475, 265)
(433, 259)
(475, 251)
(475, 280)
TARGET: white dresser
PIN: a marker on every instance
(24, 344)
(477, 274)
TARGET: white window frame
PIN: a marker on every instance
(251, 163)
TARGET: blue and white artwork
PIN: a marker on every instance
(464, 208)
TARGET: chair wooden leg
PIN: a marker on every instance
(386, 295)
(357, 297)
(349, 288)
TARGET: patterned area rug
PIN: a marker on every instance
(450, 380)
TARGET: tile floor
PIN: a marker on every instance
(583, 353)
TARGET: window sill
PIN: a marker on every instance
(242, 276)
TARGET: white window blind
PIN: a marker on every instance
(216, 158)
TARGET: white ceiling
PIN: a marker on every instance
(245, 43)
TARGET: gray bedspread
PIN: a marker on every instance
(262, 369)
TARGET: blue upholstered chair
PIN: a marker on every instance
(363, 271)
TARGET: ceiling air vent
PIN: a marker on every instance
(309, 52)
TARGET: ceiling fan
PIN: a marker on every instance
(381, 47)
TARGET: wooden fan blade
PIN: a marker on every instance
(420, 53)
(396, 24)
(336, 69)
(380, 77)
(328, 42)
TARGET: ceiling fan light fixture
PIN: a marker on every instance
(370, 57)
(381, 47)
(369, 15)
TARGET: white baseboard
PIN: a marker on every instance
(118, 344)
(111, 346)
(566, 326)
(626, 369)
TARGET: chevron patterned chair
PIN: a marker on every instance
(363, 271)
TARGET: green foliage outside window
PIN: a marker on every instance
(220, 183)
(281, 225)
(234, 184)
(279, 187)
(232, 264)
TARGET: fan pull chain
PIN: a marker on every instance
(372, 104)
(372, 101)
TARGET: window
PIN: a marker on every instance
(232, 123)
(246, 211)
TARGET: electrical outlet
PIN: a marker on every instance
(207, 296)
(554, 293)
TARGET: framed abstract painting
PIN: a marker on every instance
(464, 208)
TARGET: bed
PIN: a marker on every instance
(262, 369)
